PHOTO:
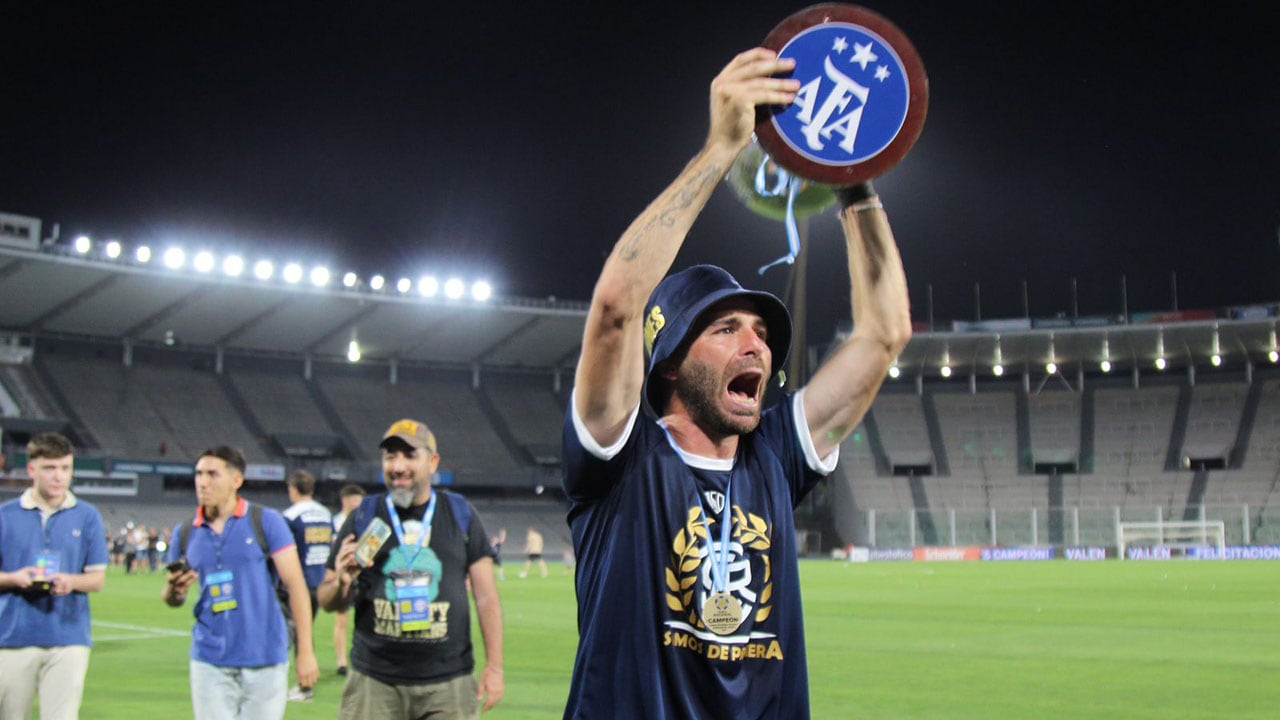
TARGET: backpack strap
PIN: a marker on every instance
(184, 535)
(461, 513)
(282, 593)
(255, 516)
(365, 513)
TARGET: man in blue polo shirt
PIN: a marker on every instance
(53, 552)
(239, 647)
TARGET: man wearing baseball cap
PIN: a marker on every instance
(403, 560)
(682, 483)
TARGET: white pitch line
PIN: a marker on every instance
(142, 630)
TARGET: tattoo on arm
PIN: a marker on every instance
(685, 196)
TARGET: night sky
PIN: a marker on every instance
(1087, 140)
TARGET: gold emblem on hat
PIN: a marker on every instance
(404, 427)
(652, 325)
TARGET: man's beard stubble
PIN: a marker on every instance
(699, 388)
(403, 497)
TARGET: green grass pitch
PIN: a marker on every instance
(1125, 640)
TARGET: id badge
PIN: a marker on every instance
(413, 601)
(48, 563)
(222, 590)
(371, 541)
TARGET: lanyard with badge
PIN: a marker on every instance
(221, 583)
(722, 612)
(48, 564)
(412, 588)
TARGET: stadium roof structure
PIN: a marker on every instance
(1178, 346)
(45, 294)
(54, 293)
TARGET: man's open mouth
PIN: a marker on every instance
(744, 388)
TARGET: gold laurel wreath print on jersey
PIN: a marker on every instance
(687, 573)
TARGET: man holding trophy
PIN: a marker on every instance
(683, 484)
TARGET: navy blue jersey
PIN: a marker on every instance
(643, 518)
(312, 528)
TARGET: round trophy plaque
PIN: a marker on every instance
(862, 100)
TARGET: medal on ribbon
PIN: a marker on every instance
(721, 612)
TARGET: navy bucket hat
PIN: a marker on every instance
(680, 300)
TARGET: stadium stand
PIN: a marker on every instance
(1213, 422)
(901, 421)
(1132, 428)
(279, 401)
(151, 410)
(469, 444)
(1054, 428)
(527, 406)
(978, 434)
(147, 369)
(27, 392)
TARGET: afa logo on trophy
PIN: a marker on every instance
(862, 100)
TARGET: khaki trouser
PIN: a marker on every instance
(57, 673)
(365, 697)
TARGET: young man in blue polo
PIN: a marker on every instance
(682, 483)
(53, 552)
(240, 645)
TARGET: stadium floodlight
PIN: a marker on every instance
(481, 291)
(233, 265)
(142, 254)
(83, 244)
(319, 276)
(203, 261)
(997, 370)
(292, 273)
(174, 258)
(894, 372)
(1106, 366)
(264, 269)
(113, 249)
(353, 351)
(349, 280)
(428, 286)
(404, 285)
(454, 288)
(377, 282)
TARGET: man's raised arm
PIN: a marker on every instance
(843, 388)
(610, 372)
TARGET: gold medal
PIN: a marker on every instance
(722, 613)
